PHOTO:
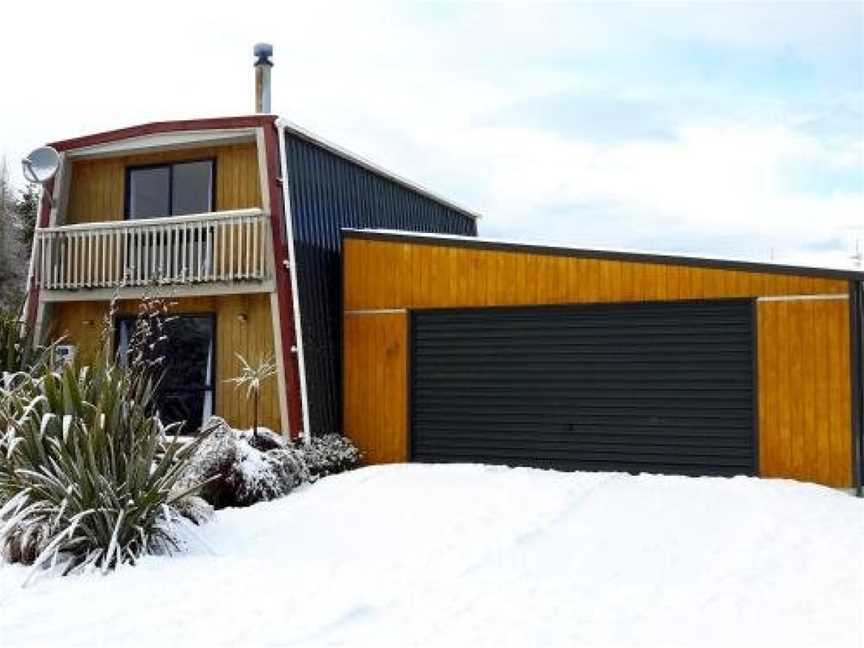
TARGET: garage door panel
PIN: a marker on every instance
(632, 358)
(608, 437)
(526, 431)
(506, 320)
(580, 338)
(579, 388)
(566, 459)
(587, 343)
(492, 368)
(657, 400)
(597, 407)
(715, 466)
(618, 367)
(574, 333)
(634, 459)
(629, 452)
(656, 387)
(639, 373)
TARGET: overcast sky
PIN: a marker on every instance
(730, 129)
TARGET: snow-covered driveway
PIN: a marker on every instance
(472, 556)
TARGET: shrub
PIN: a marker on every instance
(330, 454)
(242, 467)
(87, 469)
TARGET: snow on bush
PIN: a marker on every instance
(87, 473)
(238, 468)
(242, 467)
(90, 477)
(194, 508)
(330, 454)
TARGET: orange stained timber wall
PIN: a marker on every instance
(243, 325)
(804, 423)
(97, 186)
(376, 385)
(805, 391)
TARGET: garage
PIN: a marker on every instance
(660, 387)
(458, 349)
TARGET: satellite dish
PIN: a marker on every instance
(41, 165)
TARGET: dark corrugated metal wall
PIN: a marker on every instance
(329, 193)
(661, 387)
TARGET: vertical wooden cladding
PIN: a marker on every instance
(805, 391)
(243, 325)
(376, 385)
(805, 404)
(391, 274)
(98, 185)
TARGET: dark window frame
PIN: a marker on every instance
(127, 180)
(212, 382)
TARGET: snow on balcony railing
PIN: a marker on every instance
(221, 246)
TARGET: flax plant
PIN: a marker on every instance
(87, 470)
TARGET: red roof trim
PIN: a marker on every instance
(154, 128)
(284, 299)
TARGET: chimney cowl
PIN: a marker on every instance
(263, 52)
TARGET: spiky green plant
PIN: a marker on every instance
(252, 378)
(86, 467)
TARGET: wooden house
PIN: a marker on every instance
(237, 222)
(423, 342)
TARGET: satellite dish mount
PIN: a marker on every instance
(41, 166)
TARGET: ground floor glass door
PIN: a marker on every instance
(185, 392)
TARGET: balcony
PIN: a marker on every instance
(217, 252)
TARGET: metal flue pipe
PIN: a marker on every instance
(263, 53)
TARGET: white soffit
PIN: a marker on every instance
(163, 141)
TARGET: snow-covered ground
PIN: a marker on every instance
(415, 555)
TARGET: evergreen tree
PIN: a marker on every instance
(13, 259)
(8, 263)
(26, 209)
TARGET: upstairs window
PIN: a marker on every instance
(170, 189)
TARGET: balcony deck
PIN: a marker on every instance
(214, 253)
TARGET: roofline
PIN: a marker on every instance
(251, 121)
(156, 128)
(446, 240)
(295, 129)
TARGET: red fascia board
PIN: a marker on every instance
(285, 302)
(155, 128)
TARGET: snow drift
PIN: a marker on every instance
(418, 555)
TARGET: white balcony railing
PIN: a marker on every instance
(226, 246)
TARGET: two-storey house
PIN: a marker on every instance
(237, 221)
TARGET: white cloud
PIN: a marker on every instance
(714, 180)
(419, 89)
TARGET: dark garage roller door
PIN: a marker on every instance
(659, 387)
